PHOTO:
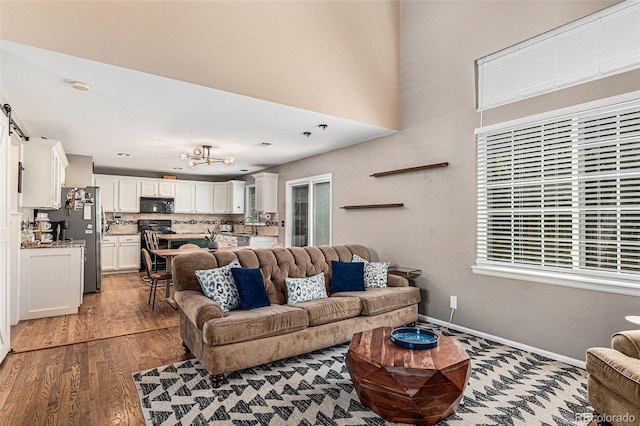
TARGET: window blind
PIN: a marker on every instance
(599, 45)
(563, 193)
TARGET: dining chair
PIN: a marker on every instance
(151, 242)
(154, 277)
(188, 246)
(277, 245)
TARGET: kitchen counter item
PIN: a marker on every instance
(57, 244)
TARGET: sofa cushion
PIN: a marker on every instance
(240, 325)
(379, 300)
(251, 291)
(305, 289)
(347, 276)
(218, 285)
(324, 311)
(375, 273)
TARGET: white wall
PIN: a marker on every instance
(435, 231)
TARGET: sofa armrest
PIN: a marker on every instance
(397, 281)
(627, 342)
(197, 307)
(616, 371)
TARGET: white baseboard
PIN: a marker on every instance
(517, 345)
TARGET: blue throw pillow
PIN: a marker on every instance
(347, 276)
(251, 291)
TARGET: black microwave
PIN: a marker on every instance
(156, 205)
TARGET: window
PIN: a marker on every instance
(559, 197)
(596, 46)
(308, 210)
(251, 204)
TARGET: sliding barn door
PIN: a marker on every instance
(4, 237)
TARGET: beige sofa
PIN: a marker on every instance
(613, 381)
(245, 338)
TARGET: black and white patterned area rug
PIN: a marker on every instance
(507, 386)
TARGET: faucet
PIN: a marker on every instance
(254, 229)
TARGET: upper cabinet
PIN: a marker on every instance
(266, 192)
(204, 198)
(184, 201)
(129, 195)
(192, 197)
(44, 162)
(235, 196)
(157, 188)
(122, 194)
(228, 197)
(119, 193)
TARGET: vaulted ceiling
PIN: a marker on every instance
(166, 77)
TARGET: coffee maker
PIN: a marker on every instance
(60, 230)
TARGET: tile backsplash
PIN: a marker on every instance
(189, 223)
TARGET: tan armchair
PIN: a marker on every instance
(614, 379)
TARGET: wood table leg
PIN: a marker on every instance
(167, 287)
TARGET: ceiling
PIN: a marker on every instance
(154, 119)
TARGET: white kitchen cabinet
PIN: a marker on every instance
(51, 281)
(129, 195)
(184, 200)
(228, 197)
(109, 254)
(157, 188)
(221, 198)
(118, 193)
(204, 198)
(108, 191)
(128, 252)
(120, 253)
(262, 241)
(266, 192)
(236, 196)
(44, 162)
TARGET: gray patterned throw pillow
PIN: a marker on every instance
(218, 285)
(375, 273)
(305, 289)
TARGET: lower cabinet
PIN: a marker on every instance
(51, 282)
(262, 241)
(120, 253)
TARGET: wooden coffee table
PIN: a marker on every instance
(405, 385)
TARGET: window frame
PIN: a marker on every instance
(256, 216)
(626, 283)
(289, 185)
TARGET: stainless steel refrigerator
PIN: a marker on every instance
(81, 208)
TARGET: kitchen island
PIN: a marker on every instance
(51, 279)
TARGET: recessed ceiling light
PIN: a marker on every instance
(244, 170)
(177, 168)
(124, 154)
(78, 85)
(264, 144)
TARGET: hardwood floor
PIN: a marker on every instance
(75, 369)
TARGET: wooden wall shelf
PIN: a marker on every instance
(372, 206)
(410, 169)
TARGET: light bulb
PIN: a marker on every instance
(192, 164)
(184, 156)
(227, 161)
(197, 151)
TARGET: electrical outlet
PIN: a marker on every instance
(453, 302)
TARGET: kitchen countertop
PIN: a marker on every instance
(61, 244)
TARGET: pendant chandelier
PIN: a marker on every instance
(203, 156)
